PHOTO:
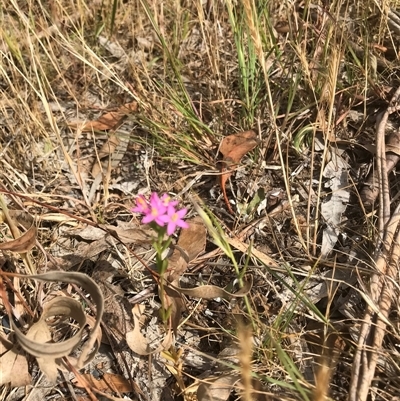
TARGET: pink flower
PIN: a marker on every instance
(155, 201)
(162, 211)
(166, 200)
(173, 219)
(156, 210)
(142, 205)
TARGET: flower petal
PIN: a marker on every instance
(181, 213)
(148, 218)
(141, 205)
(182, 224)
(171, 227)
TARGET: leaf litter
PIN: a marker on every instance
(297, 266)
(332, 209)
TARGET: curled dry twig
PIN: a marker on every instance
(382, 287)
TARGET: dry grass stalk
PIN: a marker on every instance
(382, 286)
(245, 357)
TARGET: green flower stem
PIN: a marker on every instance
(160, 245)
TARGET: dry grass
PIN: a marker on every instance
(309, 78)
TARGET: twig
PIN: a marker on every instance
(81, 380)
(382, 287)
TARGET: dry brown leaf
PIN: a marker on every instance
(11, 362)
(26, 241)
(19, 217)
(89, 250)
(136, 340)
(173, 301)
(193, 238)
(233, 148)
(106, 150)
(108, 383)
(177, 264)
(216, 388)
(108, 121)
(142, 235)
(22, 244)
(35, 342)
(237, 145)
(40, 334)
(213, 291)
(108, 147)
(191, 243)
(241, 246)
(127, 233)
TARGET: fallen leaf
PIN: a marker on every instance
(177, 264)
(216, 388)
(173, 301)
(191, 243)
(89, 250)
(314, 288)
(237, 145)
(213, 291)
(127, 233)
(107, 150)
(333, 208)
(108, 121)
(108, 383)
(114, 48)
(40, 334)
(27, 240)
(22, 244)
(193, 238)
(36, 341)
(233, 148)
(241, 246)
(11, 362)
(137, 341)
(132, 235)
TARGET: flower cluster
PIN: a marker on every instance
(162, 211)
